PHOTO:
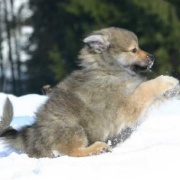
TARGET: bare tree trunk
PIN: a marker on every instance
(8, 30)
(2, 76)
(17, 49)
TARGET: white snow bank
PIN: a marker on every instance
(151, 153)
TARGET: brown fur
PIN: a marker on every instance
(97, 103)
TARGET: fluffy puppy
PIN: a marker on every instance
(95, 104)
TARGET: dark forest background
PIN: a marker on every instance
(60, 25)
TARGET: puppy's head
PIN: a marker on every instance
(115, 47)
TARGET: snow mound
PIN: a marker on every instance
(152, 151)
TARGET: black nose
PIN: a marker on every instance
(151, 57)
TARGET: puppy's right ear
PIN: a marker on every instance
(97, 42)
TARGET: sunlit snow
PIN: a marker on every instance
(151, 153)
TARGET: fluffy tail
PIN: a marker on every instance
(27, 140)
(6, 117)
(7, 132)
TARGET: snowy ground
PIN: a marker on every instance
(151, 153)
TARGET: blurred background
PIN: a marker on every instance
(40, 39)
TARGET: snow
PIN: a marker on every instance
(151, 153)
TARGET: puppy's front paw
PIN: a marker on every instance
(168, 85)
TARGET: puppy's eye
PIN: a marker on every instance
(134, 50)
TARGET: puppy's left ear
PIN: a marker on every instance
(97, 42)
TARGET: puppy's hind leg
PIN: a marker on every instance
(94, 149)
(76, 145)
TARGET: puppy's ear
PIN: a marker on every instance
(97, 42)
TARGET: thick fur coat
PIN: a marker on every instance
(95, 104)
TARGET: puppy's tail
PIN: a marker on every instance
(6, 116)
(7, 133)
(27, 139)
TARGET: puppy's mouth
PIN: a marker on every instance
(139, 68)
